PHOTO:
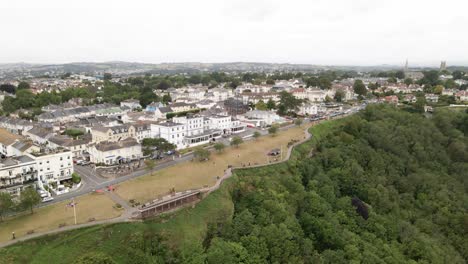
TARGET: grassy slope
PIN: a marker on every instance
(184, 227)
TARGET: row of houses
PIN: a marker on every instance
(24, 163)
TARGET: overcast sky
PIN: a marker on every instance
(339, 32)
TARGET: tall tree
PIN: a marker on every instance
(29, 198)
(271, 104)
(6, 204)
(159, 145)
(23, 86)
(359, 88)
(288, 103)
(400, 75)
(261, 105)
(9, 88)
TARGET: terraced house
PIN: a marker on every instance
(109, 153)
(112, 134)
(17, 173)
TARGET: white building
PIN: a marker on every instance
(219, 94)
(227, 124)
(252, 88)
(53, 167)
(433, 98)
(16, 174)
(110, 153)
(308, 109)
(131, 103)
(195, 132)
(172, 132)
(261, 118)
(462, 96)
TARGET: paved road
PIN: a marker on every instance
(92, 182)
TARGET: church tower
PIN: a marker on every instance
(443, 65)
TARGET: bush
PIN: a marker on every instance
(76, 178)
(236, 141)
(273, 130)
(219, 147)
(74, 133)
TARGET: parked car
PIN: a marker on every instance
(47, 199)
(274, 152)
(43, 193)
(84, 163)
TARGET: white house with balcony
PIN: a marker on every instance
(16, 174)
(54, 166)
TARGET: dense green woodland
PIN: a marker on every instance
(382, 186)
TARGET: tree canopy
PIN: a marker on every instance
(236, 141)
(29, 198)
(359, 88)
(288, 103)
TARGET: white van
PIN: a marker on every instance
(47, 199)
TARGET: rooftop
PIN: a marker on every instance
(8, 138)
(108, 146)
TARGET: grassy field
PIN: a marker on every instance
(47, 218)
(192, 175)
(184, 229)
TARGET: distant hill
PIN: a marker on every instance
(120, 67)
(136, 68)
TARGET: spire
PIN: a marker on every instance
(406, 65)
(443, 65)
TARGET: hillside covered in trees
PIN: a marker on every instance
(382, 186)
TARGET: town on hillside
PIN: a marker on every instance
(57, 132)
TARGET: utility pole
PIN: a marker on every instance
(74, 210)
(73, 204)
